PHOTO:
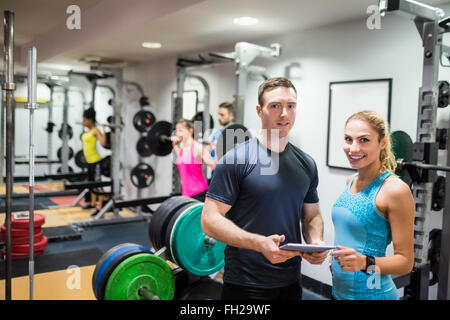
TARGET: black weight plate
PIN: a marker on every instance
(69, 132)
(203, 289)
(105, 166)
(158, 146)
(199, 117)
(80, 160)
(59, 153)
(107, 140)
(161, 217)
(143, 120)
(171, 223)
(143, 147)
(444, 94)
(142, 175)
(231, 136)
(69, 168)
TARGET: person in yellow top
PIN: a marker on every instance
(93, 158)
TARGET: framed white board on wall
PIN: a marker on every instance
(347, 98)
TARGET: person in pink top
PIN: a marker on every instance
(190, 157)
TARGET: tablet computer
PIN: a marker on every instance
(309, 248)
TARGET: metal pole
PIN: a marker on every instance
(65, 136)
(117, 138)
(9, 86)
(2, 136)
(31, 106)
(177, 113)
(50, 134)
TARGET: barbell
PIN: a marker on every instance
(132, 272)
(158, 140)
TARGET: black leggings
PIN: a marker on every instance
(237, 292)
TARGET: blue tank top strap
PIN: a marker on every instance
(351, 182)
(376, 184)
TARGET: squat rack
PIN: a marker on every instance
(431, 25)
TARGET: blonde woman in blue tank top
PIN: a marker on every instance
(376, 208)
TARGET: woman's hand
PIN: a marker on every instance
(349, 259)
(176, 140)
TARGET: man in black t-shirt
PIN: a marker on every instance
(263, 193)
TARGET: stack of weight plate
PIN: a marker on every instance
(19, 232)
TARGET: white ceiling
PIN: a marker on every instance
(116, 28)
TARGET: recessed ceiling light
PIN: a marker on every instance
(151, 45)
(245, 21)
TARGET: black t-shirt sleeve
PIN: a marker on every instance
(225, 183)
(312, 196)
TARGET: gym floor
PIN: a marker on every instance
(52, 269)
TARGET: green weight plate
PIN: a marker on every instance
(109, 261)
(402, 147)
(141, 270)
(165, 239)
(191, 248)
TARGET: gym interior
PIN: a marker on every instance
(142, 66)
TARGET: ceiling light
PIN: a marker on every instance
(151, 45)
(245, 21)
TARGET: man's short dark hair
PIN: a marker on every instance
(273, 83)
(227, 105)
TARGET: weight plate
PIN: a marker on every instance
(107, 140)
(203, 289)
(142, 175)
(59, 153)
(143, 147)
(161, 218)
(80, 160)
(199, 117)
(105, 166)
(143, 120)
(69, 168)
(19, 232)
(69, 132)
(402, 147)
(24, 239)
(444, 94)
(231, 136)
(141, 270)
(109, 261)
(22, 220)
(158, 146)
(191, 248)
(24, 248)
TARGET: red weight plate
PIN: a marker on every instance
(25, 240)
(17, 223)
(18, 232)
(23, 248)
